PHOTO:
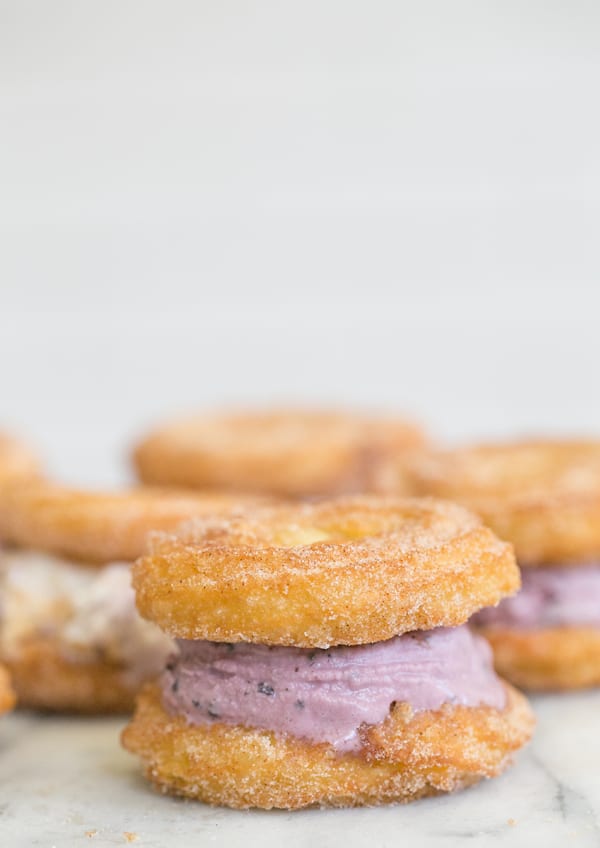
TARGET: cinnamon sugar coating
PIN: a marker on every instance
(405, 758)
(98, 527)
(547, 659)
(287, 453)
(543, 496)
(7, 695)
(347, 571)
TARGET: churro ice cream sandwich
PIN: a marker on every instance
(544, 497)
(322, 656)
(70, 634)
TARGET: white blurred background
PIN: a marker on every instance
(390, 204)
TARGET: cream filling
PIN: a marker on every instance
(88, 613)
(327, 695)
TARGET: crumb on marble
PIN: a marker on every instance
(91, 833)
(511, 822)
(130, 837)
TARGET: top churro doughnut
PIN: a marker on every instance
(348, 571)
(16, 460)
(288, 453)
(544, 496)
(99, 527)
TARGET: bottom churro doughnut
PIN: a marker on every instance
(550, 659)
(547, 637)
(406, 757)
(7, 696)
(45, 680)
(247, 725)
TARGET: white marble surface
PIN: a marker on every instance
(63, 777)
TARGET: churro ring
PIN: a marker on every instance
(547, 659)
(542, 495)
(16, 460)
(285, 453)
(348, 571)
(7, 696)
(405, 758)
(45, 680)
(98, 527)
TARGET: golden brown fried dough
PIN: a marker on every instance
(550, 659)
(99, 527)
(16, 461)
(44, 680)
(7, 696)
(543, 496)
(348, 571)
(405, 758)
(294, 454)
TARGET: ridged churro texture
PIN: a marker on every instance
(296, 454)
(547, 659)
(347, 571)
(405, 758)
(99, 527)
(543, 496)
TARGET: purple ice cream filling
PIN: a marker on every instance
(551, 596)
(326, 695)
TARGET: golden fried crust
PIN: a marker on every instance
(285, 453)
(44, 680)
(543, 496)
(348, 571)
(7, 696)
(16, 460)
(551, 659)
(403, 759)
(99, 527)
